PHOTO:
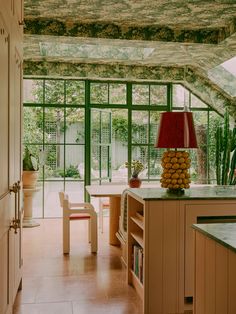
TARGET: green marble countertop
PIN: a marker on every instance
(203, 192)
(223, 233)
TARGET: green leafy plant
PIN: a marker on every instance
(136, 167)
(30, 162)
(225, 153)
(71, 172)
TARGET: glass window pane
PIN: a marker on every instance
(119, 145)
(75, 125)
(105, 161)
(199, 156)
(74, 163)
(158, 95)
(197, 103)
(33, 91)
(180, 96)
(37, 207)
(75, 190)
(54, 161)
(33, 124)
(54, 125)
(75, 92)
(95, 126)
(140, 94)
(155, 168)
(140, 127)
(214, 121)
(52, 206)
(154, 121)
(99, 93)
(117, 94)
(54, 91)
(95, 160)
(105, 127)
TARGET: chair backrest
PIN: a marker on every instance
(61, 197)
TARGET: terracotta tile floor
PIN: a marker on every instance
(80, 283)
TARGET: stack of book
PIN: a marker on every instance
(138, 261)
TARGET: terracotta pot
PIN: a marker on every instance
(134, 182)
(29, 179)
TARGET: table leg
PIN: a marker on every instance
(114, 219)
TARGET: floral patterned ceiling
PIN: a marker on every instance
(178, 41)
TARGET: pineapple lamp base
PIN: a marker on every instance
(175, 176)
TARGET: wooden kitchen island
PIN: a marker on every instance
(161, 242)
(215, 268)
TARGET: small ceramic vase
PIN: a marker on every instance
(135, 182)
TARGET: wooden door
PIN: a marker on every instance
(10, 156)
(18, 10)
(15, 235)
(5, 210)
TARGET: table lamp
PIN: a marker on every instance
(176, 130)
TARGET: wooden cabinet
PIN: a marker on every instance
(215, 275)
(4, 106)
(163, 266)
(166, 237)
(136, 245)
(202, 212)
(18, 6)
(11, 35)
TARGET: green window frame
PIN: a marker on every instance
(80, 98)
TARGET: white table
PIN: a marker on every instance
(114, 192)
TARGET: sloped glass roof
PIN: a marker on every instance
(224, 75)
(93, 51)
(230, 65)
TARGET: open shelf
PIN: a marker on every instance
(138, 236)
(138, 221)
(137, 284)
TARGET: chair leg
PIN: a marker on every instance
(89, 230)
(94, 233)
(66, 234)
(101, 219)
(100, 215)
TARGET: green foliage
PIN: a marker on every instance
(136, 167)
(120, 128)
(214, 122)
(30, 162)
(225, 153)
(70, 172)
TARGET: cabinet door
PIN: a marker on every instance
(4, 108)
(5, 212)
(4, 258)
(193, 212)
(15, 119)
(18, 10)
(8, 4)
(15, 159)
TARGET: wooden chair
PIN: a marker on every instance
(103, 204)
(78, 211)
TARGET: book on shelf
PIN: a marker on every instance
(138, 261)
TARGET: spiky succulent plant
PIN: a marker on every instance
(30, 162)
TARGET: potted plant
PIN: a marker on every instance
(136, 168)
(30, 169)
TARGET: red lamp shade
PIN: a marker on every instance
(176, 130)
